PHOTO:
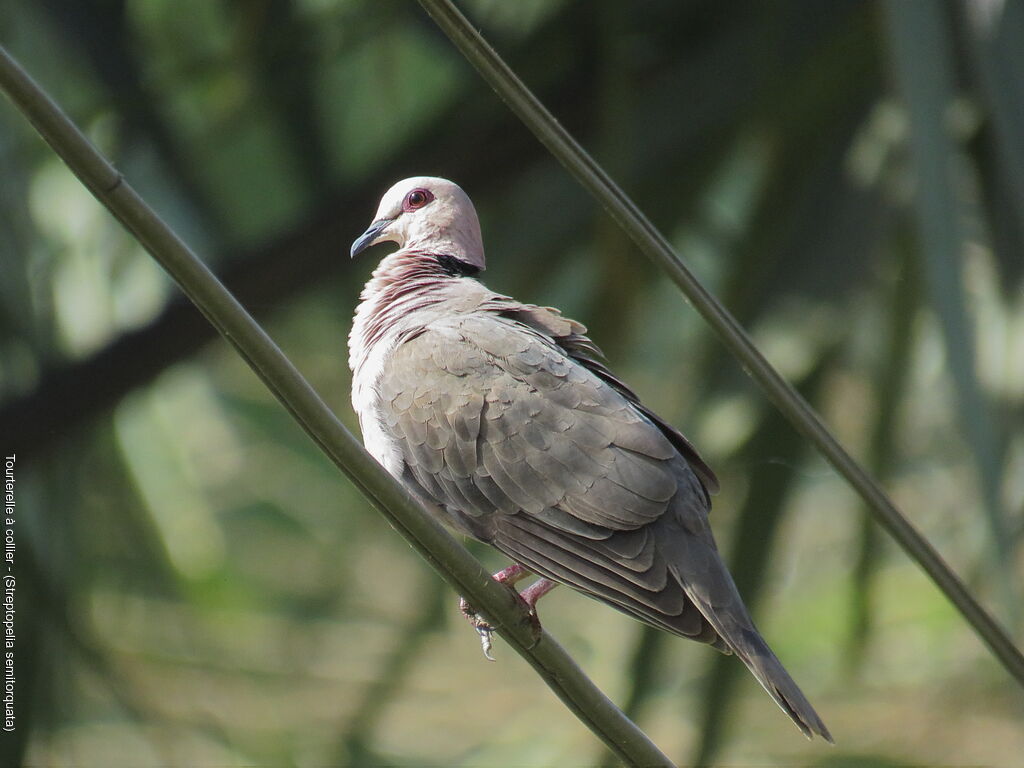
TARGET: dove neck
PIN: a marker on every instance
(409, 273)
(403, 284)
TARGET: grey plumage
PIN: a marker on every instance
(502, 416)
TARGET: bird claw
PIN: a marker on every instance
(527, 598)
(485, 641)
(481, 625)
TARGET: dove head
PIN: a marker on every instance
(430, 215)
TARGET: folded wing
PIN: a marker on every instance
(541, 457)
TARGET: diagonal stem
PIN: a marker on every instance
(446, 555)
(797, 411)
(919, 42)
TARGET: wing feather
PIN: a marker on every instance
(545, 459)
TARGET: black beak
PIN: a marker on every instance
(369, 236)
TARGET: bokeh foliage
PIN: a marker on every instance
(201, 587)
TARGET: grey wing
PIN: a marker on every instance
(530, 451)
(538, 455)
(571, 337)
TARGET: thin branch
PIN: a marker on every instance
(266, 277)
(920, 47)
(263, 278)
(796, 410)
(446, 555)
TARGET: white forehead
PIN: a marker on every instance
(442, 189)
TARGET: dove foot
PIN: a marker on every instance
(529, 596)
(535, 592)
(480, 624)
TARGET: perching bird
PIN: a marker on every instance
(503, 418)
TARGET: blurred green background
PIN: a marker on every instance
(198, 585)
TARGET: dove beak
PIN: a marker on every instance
(371, 236)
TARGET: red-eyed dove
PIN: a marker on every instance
(503, 419)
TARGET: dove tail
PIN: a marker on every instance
(754, 652)
(694, 561)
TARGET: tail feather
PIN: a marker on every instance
(754, 652)
(694, 561)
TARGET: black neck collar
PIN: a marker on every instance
(456, 267)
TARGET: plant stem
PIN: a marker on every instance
(797, 411)
(446, 555)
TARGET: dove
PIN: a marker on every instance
(505, 420)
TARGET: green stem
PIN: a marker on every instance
(920, 44)
(446, 555)
(797, 411)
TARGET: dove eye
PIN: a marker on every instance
(417, 199)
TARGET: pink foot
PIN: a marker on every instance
(535, 592)
(514, 573)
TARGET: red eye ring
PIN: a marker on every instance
(417, 199)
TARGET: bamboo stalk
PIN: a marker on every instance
(446, 555)
(923, 72)
(797, 411)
